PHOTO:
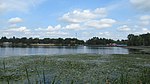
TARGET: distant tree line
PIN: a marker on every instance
(104, 41)
(59, 41)
(29, 41)
(99, 41)
(133, 40)
(139, 40)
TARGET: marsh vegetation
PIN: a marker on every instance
(76, 69)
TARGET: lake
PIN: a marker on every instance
(60, 50)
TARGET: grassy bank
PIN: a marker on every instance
(141, 49)
(76, 69)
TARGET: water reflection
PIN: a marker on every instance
(60, 50)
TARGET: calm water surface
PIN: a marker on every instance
(61, 50)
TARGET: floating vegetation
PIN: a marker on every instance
(76, 69)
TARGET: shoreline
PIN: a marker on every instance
(141, 49)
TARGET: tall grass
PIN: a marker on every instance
(72, 82)
(44, 78)
(38, 75)
(27, 75)
(4, 65)
(5, 72)
(53, 82)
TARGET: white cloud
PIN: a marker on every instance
(20, 29)
(143, 5)
(17, 5)
(99, 24)
(145, 17)
(108, 35)
(83, 19)
(145, 20)
(5, 34)
(24, 31)
(73, 27)
(15, 31)
(124, 28)
(15, 20)
(104, 34)
(138, 30)
(142, 31)
(145, 30)
(78, 16)
(55, 33)
(49, 28)
(101, 11)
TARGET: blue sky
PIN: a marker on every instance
(113, 19)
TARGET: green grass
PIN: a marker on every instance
(76, 69)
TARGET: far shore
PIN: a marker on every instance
(40, 44)
(141, 49)
(43, 44)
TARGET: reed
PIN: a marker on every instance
(27, 75)
(43, 71)
(53, 82)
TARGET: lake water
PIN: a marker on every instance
(60, 50)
